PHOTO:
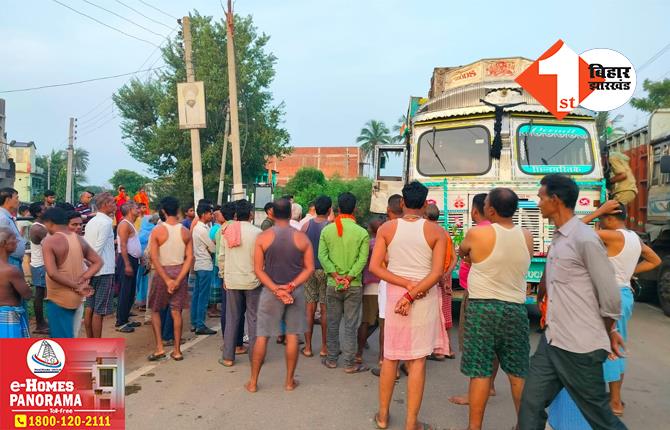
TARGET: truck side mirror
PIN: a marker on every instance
(665, 164)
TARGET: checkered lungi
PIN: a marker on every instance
(445, 288)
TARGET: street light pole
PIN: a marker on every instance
(198, 188)
(234, 119)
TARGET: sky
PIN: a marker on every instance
(340, 63)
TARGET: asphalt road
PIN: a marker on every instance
(199, 393)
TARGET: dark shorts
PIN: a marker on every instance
(38, 276)
(272, 312)
(315, 287)
(370, 309)
(494, 328)
(102, 300)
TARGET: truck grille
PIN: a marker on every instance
(529, 217)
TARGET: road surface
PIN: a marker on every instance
(199, 393)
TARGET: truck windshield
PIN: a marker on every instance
(454, 151)
(554, 149)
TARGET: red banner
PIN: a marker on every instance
(62, 383)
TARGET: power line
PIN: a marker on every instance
(103, 119)
(124, 18)
(654, 57)
(140, 13)
(106, 25)
(99, 115)
(159, 10)
(98, 127)
(93, 108)
(77, 82)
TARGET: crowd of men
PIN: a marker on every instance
(395, 275)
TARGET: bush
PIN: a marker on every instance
(310, 183)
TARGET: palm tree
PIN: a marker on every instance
(374, 133)
(80, 159)
(399, 130)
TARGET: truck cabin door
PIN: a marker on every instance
(390, 174)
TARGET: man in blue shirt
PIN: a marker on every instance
(9, 204)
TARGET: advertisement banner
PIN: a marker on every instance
(62, 383)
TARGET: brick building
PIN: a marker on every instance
(343, 161)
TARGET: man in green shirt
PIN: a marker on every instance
(343, 253)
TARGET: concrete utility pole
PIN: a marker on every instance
(49, 172)
(222, 174)
(234, 119)
(198, 188)
(70, 154)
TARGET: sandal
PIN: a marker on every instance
(306, 354)
(176, 357)
(328, 364)
(359, 368)
(436, 357)
(156, 357)
(226, 363)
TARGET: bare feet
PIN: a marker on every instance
(251, 387)
(381, 423)
(292, 386)
(464, 400)
(240, 350)
(460, 400)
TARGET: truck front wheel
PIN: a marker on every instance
(664, 286)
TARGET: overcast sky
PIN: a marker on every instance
(340, 63)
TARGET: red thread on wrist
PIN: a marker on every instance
(409, 297)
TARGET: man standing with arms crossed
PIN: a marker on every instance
(343, 253)
(584, 304)
(67, 278)
(100, 235)
(496, 321)
(171, 257)
(283, 261)
(414, 325)
(243, 289)
(128, 262)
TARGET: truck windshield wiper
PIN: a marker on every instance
(432, 148)
(525, 142)
(546, 161)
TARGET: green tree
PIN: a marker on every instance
(133, 181)
(373, 133)
(658, 96)
(58, 159)
(608, 128)
(149, 109)
(309, 183)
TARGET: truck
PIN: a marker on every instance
(648, 150)
(479, 129)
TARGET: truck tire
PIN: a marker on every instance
(663, 286)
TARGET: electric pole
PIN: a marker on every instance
(234, 120)
(198, 188)
(70, 154)
(222, 174)
(49, 172)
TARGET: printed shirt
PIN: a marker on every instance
(346, 255)
(581, 290)
(85, 211)
(6, 220)
(100, 237)
(203, 247)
